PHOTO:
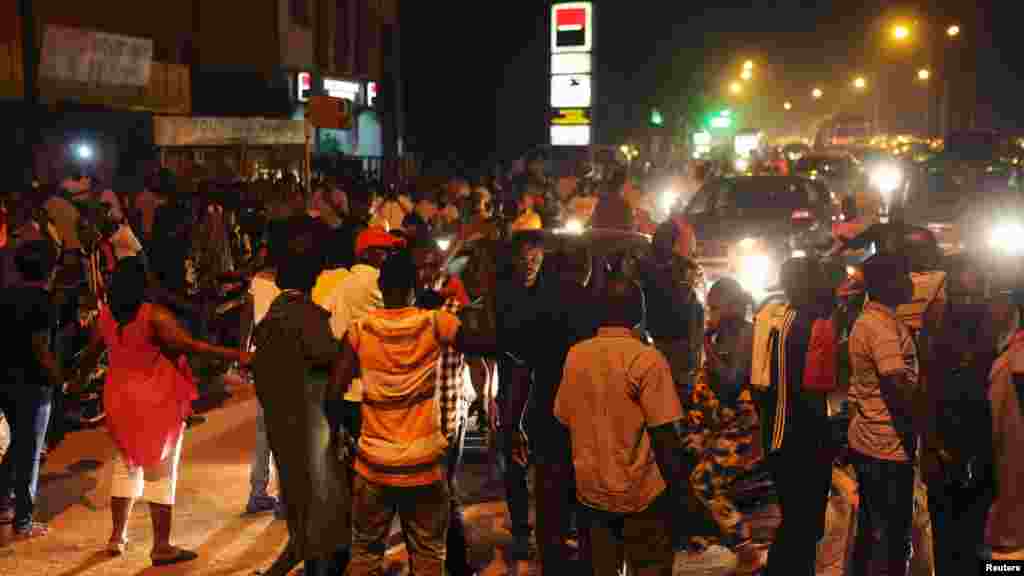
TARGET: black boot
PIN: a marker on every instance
(457, 555)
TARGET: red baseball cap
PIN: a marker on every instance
(377, 238)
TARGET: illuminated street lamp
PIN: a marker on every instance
(736, 88)
(788, 105)
(860, 83)
(748, 65)
(746, 75)
(817, 93)
(900, 32)
(924, 74)
(953, 31)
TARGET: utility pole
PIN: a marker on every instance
(30, 69)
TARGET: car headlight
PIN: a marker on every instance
(742, 164)
(572, 226)
(1008, 238)
(444, 244)
(668, 200)
(754, 273)
(887, 179)
(748, 243)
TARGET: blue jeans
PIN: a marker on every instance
(27, 408)
(886, 491)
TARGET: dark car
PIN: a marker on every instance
(747, 226)
(840, 171)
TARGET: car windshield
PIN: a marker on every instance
(769, 195)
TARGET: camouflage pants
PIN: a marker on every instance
(711, 479)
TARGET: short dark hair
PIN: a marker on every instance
(34, 260)
(731, 291)
(624, 301)
(301, 259)
(398, 273)
(802, 280)
(882, 270)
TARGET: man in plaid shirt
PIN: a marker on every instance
(454, 392)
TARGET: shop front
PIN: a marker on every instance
(229, 148)
(363, 138)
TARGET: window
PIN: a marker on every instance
(299, 12)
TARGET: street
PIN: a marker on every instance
(212, 492)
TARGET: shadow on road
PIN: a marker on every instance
(60, 491)
(91, 562)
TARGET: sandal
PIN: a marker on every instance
(116, 547)
(178, 557)
(34, 530)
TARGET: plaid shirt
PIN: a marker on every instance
(451, 372)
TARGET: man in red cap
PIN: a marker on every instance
(358, 293)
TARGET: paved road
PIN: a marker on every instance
(212, 492)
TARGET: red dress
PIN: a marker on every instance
(146, 394)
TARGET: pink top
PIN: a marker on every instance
(147, 395)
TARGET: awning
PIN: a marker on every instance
(170, 131)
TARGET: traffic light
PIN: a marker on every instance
(723, 119)
(657, 120)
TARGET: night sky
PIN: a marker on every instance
(475, 71)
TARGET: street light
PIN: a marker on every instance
(900, 32)
(736, 88)
(860, 83)
(953, 31)
(924, 74)
(788, 106)
(817, 93)
(748, 65)
(747, 74)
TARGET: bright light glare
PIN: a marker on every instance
(742, 164)
(748, 65)
(953, 31)
(900, 32)
(788, 106)
(817, 93)
(84, 151)
(860, 83)
(747, 74)
(799, 254)
(1008, 238)
(748, 243)
(668, 200)
(754, 274)
(736, 88)
(851, 271)
(573, 226)
(886, 178)
(444, 244)
(924, 74)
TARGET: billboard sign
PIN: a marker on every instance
(572, 27)
(571, 63)
(342, 89)
(571, 117)
(570, 135)
(570, 91)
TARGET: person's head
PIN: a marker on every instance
(127, 289)
(802, 280)
(535, 163)
(428, 263)
(727, 302)
(887, 279)
(398, 279)
(623, 303)
(301, 259)
(529, 256)
(35, 261)
(666, 235)
(374, 245)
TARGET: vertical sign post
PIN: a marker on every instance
(570, 71)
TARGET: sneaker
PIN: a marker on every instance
(261, 504)
(715, 560)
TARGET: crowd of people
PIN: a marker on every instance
(637, 404)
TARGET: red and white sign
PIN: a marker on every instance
(304, 82)
(371, 93)
(572, 27)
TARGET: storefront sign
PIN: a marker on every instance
(304, 84)
(342, 89)
(95, 57)
(571, 63)
(571, 117)
(371, 93)
(570, 135)
(570, 91)
(571, 27)
(184, 131)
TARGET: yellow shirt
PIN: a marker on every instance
(325, 285)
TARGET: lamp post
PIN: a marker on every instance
(817, 93)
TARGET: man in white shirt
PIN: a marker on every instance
(263, 290)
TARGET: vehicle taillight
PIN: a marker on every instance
(802, 215)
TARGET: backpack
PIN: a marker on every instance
(820, 365)
(767, 324)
